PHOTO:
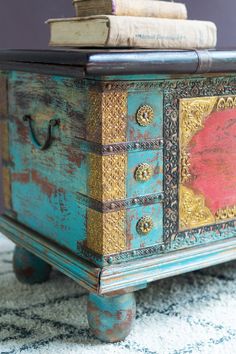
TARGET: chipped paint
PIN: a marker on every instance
(111, 318)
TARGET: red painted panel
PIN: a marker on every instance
(213, 160)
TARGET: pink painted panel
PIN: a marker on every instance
(213, 160)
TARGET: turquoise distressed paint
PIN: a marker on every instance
(136, 240)
(155, 183)
(59, 218)
(111, 318)
(41, 195)
(154, 99)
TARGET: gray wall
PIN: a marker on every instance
(22, 21)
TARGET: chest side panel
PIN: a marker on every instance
(44, 183)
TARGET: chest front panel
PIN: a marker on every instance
(205, 141)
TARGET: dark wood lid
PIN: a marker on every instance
(119, 61)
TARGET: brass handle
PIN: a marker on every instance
(48, 141)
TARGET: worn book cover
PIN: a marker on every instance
(147, 8)
(132, 32)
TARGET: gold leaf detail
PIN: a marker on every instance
(192, 115)
(226, 213)
(107, 177)
(185, 164)
(106, 232)
(107, 117)
(226, 103)
(193, 211)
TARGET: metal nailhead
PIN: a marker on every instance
(113, 205)
(111, 148)
(135, 200)
(110, 260)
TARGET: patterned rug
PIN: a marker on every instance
(192, 313)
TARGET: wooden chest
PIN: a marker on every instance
(118, 168)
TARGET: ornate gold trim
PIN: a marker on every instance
(144, 225)
(226, 103)
(145, 115)
(193, 112)
(107, 116)
(106, 233)
(226, 213)
(107, 177)
(193, 211)
(143, 172)
(185, 164)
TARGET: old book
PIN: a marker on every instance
(132, 32)
(147, 8)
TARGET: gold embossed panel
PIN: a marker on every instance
(207, 190)
(107, 177)
(107, 117)
(106, 232)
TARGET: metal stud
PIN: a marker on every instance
(145, 115)
(144, 225)
(143, 172)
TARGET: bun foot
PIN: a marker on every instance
(28, 268)
(111, 318)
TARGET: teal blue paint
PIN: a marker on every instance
(147, 269)
(59, 217)
(137, 99)
(136, 188)
(84, 273)
(111, 318)
(50, 206)
(134, 239)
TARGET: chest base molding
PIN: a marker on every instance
(119, 277)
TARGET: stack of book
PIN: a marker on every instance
(132, 24)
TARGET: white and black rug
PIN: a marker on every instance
(192, 313)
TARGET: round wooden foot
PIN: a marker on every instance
(111, 318)
(28, 268)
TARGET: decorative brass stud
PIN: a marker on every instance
(145, 115)
(143, 172)
(144, 225)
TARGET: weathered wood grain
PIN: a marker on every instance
(45, 183)
(4, 144)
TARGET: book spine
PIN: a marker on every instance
(148, 8)
(160, 33)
